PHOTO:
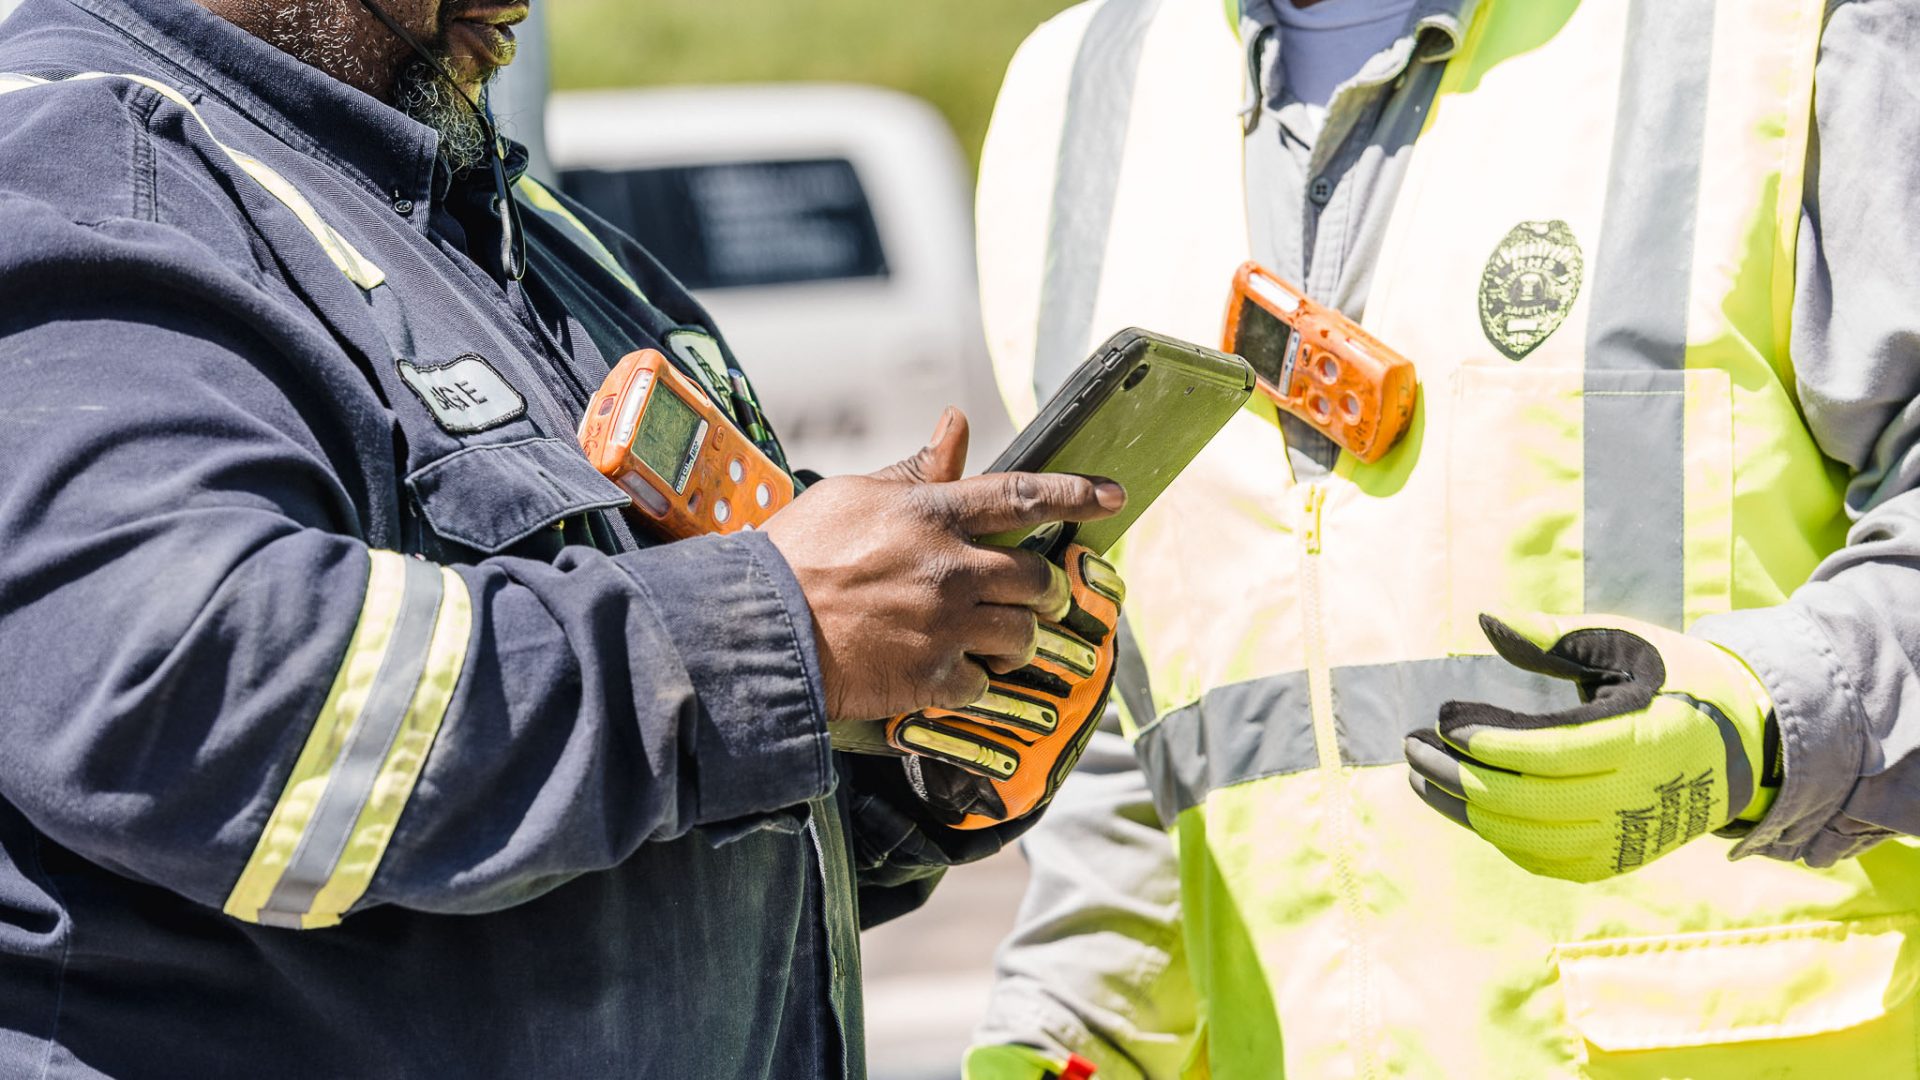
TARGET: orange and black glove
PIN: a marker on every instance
(1010, 749)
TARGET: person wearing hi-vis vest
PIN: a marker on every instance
(1637, 589)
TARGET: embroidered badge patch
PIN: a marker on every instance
(1530, 283)
(465, 395)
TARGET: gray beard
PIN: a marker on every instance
(421, 93)
(320, 35)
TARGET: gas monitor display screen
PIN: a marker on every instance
(665, 442)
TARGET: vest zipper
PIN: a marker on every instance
(1319, 677)
(1338, 796)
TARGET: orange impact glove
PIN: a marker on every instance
(1014, 745)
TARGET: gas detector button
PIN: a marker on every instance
(721, 511)
(763, 495)
(736, 470)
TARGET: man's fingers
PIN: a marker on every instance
(944, 458)
(998, 502)
(962, 686)
(1024, 579)
(1002, 638)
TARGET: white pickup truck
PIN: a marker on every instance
(826, 227)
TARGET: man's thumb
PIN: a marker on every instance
(944, 458)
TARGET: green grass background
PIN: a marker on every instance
(951, 52)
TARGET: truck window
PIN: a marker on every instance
(737, 224)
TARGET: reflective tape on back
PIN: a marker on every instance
(1637, 330)
(1099, 103)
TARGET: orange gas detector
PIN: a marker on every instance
(1319, 365)
(651, 430)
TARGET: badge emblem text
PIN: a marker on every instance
(1530, 283)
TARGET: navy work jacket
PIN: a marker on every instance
(345, 731)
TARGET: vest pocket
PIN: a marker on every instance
(1573, 490)
(1823, 999)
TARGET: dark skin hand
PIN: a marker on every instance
(474, 38)
(908, 612)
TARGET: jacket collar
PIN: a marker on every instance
(300, 105)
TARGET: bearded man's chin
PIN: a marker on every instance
(423, 94)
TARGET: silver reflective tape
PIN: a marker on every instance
(351, 779)
(1642, 270)
(1635, 500)
(1376, 706)
(1130, 679)
(1635, 432)
(1264, 727)
(1099, 101)
(1231, 735)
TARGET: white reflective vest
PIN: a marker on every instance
(1591, 264)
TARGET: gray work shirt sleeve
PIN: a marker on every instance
(1094, 964)
(1839, 655)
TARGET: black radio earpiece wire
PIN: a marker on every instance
(513, 242)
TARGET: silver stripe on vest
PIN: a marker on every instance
(1099, 103)
(1231, 735)
(1130, 681)
(365, 749)
(1264, 727)
(1637, 334)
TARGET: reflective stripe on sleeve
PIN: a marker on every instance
(351, 782)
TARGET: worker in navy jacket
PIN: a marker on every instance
(347, 728)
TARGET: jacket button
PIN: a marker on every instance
(403, 207)
(1321, 191)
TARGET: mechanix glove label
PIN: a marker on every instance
(1682, 810)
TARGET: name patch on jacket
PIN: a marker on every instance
(465, 395)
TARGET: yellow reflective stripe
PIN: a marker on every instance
(542, 200)
(386, 575)
(358, 268)
(330, 829)
(446, 656)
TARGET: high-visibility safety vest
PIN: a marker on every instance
(1591, 263)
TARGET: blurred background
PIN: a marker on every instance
(806, 166)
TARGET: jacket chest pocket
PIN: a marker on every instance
(501, 498)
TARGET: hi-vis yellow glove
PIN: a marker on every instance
(1023, 1063)
(1674, 737)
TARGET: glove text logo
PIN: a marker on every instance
(1649, 830)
